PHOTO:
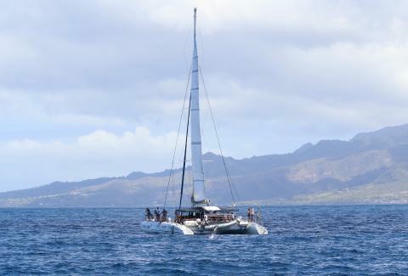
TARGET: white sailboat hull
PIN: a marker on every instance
(239, 227)
(234, 227)
(155, 227)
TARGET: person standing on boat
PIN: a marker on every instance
(157, 214)
(251, 214)
(148, 214)
(164, 215)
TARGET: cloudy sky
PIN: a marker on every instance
(95, 88)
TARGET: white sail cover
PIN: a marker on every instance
(196, 161)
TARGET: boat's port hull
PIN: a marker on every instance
(165, 227)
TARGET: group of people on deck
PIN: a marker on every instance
(161, 216)
(157, 215)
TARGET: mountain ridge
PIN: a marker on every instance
(329, 172)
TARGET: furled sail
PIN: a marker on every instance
(198, 196)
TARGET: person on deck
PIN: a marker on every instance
(164, 215)
(252, 214)
(157, 214)
(148, 214)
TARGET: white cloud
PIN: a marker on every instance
(279, 74)
(353, 19)
(100, 143)
(100, 153)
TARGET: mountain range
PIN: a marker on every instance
(370, 168)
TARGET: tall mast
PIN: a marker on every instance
(198, 196)
(185, 156)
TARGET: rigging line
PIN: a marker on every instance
(185, 153)
(177, 139)
(230, 184)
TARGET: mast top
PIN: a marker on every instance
(195, 23)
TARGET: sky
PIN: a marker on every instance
(95, 88)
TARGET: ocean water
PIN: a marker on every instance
(302, 240)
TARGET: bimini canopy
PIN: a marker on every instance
(211, 208)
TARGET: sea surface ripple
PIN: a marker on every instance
(302, 240)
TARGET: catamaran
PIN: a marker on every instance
(201, 217)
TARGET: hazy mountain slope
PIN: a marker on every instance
(390, 187)
(55, 187)
(370, 168)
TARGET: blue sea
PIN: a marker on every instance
(302, 240)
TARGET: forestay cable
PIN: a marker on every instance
(177, 139)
